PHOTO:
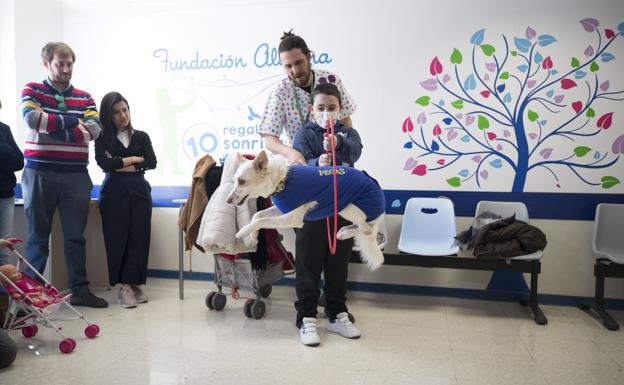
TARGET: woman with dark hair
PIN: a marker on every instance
(125, 197)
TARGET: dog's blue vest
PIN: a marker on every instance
(306, 183)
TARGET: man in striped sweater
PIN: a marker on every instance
(61, 121)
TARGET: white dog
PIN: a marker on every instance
(306, 192)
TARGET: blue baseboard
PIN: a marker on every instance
(431, 291)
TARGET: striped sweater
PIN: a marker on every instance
(57, 140)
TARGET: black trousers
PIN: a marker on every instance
(314, 258)
(126, 210)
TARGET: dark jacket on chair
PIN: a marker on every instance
(11, 160)
(507, 238)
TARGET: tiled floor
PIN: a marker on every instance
(406, 340)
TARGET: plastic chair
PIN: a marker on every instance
(608, 250)
(505, 210)
(428, 227)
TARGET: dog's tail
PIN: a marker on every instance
(369, 250)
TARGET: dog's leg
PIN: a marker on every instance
(367, 244)
(280, 221)
(347, 232)
(353, 214)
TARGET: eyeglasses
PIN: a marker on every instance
(61, 105)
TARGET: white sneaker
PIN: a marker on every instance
(343, 326)
(126, 297)
(308, 334)
(138, 294)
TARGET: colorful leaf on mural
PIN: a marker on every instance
(490, 67)
(408, 126)
(436, 130)
(523, 45)
(420, 170)
(531, 83)
(483, 123)
(454, 181)
(538, 58)
(581, 151)
(550, 93)
(469, 120)
(500, 88)
(609, 181)
(441, 103)
(558, 98)
(470, 83)
(487, 49)
(484, 174)
(604, 86)
(514, 53)
(609, 33)
(566, 84)
(543, 122)
(577, 106)
(533, 136)
(554, 72)
(605, 120)
(463, 173)
(545, 153)
(423, 101)
(545, 40)
(594, 67)
(477, 37)
(522, 68)
(451, 134)
(507, 98)
(589, 24)
(530, 33)
(607, 57)
(465, 138)
(396, 203)
(580, 74)
(485, 93)
(620, 28)
(476, 158)
(506, 133)
(575, 62)
(590, 112)
(496, 163)
(499, 147)
(596, 155)
(421, 119)
(504, 76)
(456, 56)
(547, 63)
(447, 121)
(446, 78)
(408, 145)
(589, 51)
(410, 163)
(532, 115)
(434, 146)
(441, 162)
(491, 135)
(458, 103)
(435, 67)
(618, 145)
(429, 84)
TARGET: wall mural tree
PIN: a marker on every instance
(498, 110)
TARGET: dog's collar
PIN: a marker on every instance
(280, 187)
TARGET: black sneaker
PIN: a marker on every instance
(89, 300)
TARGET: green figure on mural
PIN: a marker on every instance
(167, 114)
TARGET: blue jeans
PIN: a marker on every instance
(7, 207)
(43, 192)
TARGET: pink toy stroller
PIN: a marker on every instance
(31, 303)
(252, 271)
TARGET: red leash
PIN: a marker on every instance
(332, 244)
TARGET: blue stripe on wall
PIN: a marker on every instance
(560, 206)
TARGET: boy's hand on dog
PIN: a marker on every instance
(325, 160)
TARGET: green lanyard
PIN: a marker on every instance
(298, 102)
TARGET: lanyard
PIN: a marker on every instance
(298, 102)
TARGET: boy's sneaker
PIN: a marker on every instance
(307, 332)
(89, 300)
(343, 326)
(126, 297)
(138, 294)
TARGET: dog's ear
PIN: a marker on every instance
(261, 161)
